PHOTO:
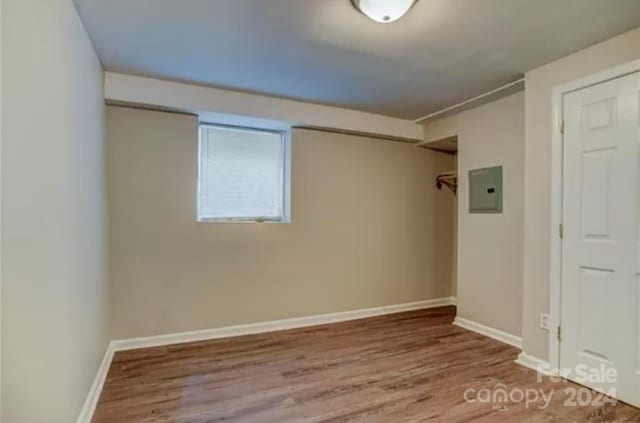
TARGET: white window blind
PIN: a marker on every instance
(241, 174)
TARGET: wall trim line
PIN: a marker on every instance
(535, 363)
(274, 325)
(454, 107)
(498, 335)
(90, 403)
(114, 346)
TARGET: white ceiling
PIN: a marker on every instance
(442, 52)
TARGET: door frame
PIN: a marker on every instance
(557, 183)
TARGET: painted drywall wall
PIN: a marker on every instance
(537, 203)
(54, 231)
(489, 245)
(454, 245)
(240, 108)
(368, 229)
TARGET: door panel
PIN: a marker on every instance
(596, 190)
(601, 200)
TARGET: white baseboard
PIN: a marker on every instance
(535, 363)
(507, 338)
(225, 332)
(274, 325)
(90, 403)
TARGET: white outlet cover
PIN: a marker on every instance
(544, 321)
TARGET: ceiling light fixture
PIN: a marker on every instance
(384, 11)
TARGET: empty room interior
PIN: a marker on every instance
(272, 211)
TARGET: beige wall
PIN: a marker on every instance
(539, 83)
(368, 229)
(489, 245)
(54, 286)
(454, 235)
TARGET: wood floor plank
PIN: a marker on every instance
(406, 367)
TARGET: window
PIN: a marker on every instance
(242, 175)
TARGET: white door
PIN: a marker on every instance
(600, 322)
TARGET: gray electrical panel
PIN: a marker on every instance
(485, 190)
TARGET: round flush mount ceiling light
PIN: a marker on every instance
(384, 11)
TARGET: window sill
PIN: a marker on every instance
(232, 220)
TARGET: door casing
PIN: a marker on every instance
(557, 148)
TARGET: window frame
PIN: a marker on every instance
(285, 136)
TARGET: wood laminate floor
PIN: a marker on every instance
(406, 367)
